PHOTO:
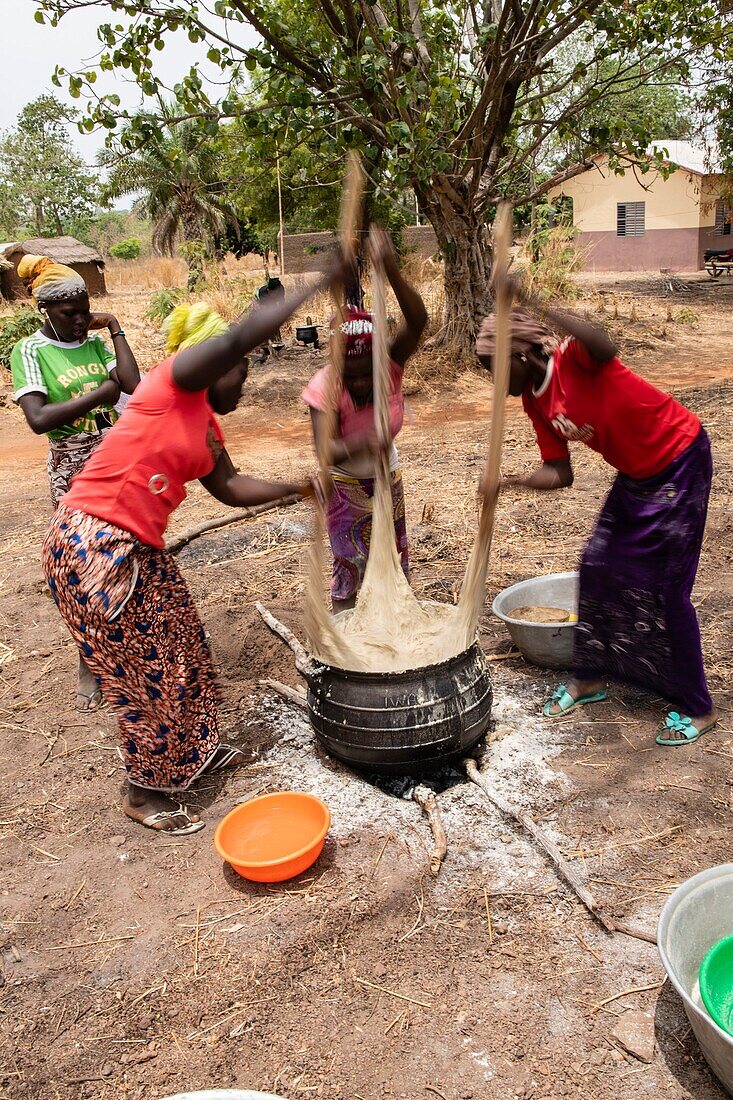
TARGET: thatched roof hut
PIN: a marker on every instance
(64, 250)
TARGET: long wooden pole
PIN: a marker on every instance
(280, 213)
(473, 592)
(319, 624)
(380, 343)
(349, 221)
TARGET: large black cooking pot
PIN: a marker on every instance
(402, 723)
(307, 334)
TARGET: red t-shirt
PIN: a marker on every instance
(636, 427)
(137, 475)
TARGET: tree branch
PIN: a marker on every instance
(293, 57)
(422, 48)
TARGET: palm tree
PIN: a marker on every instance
(176, 177)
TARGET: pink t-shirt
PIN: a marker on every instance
(137, 475)
(353, 420)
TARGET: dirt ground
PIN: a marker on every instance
(135, 965)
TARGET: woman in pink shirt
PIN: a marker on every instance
(636, 622)
(349, 517)
(119, 591)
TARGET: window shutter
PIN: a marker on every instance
(630, 219)
(722, 218)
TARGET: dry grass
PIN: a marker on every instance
(231, 282)
(230, 286)
(153, 273)
(559, 258)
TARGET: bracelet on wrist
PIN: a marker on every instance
(114, 335)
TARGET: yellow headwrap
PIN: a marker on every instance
(189, 325)
(49, 281)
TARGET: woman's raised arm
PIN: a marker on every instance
(199, 367)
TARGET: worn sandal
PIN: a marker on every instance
(227, 756)
(562, 697)
(90, 702)
(153, 820)
(681, 723)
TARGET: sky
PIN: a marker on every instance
(29, 52)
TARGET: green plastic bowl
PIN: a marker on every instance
(716, 983)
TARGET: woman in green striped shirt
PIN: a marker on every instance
(68, 381)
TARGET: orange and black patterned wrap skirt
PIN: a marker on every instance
(133, 619)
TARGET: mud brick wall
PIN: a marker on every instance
(303, 252)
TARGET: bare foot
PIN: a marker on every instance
(141, 804)
(88, 695)
(676, 730)
(576, 689)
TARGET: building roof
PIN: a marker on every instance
(684, 154)
(64, 250)
(691, 158)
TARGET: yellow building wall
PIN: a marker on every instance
(674, 203)
(712, 187)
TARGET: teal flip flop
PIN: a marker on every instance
(681, 723)
(565, 701)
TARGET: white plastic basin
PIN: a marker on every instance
(698, 914)
(549, 645)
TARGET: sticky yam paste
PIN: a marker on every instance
(541, 614)
(390, 630)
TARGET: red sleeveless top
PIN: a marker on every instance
(137, 476)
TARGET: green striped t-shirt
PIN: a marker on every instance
(61, 372)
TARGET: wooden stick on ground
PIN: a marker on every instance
(291, 694)
(224, 521)
(545, 843)
(636, 933)
(303, 662)
(428, 803)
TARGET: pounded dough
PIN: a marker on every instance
(390, 630)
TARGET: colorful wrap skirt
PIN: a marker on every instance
(65, 459)
(131, 615)
(636, 622)
(349, 522)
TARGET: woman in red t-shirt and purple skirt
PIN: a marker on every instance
(120, 592)
(636, 622)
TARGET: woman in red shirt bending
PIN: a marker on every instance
(636, 622)
(119, 591)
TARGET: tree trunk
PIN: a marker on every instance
(193, 251)
(465, 243)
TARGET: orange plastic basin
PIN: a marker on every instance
(275, 836)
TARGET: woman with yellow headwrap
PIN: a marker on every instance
(121, 594)
(67, 382)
